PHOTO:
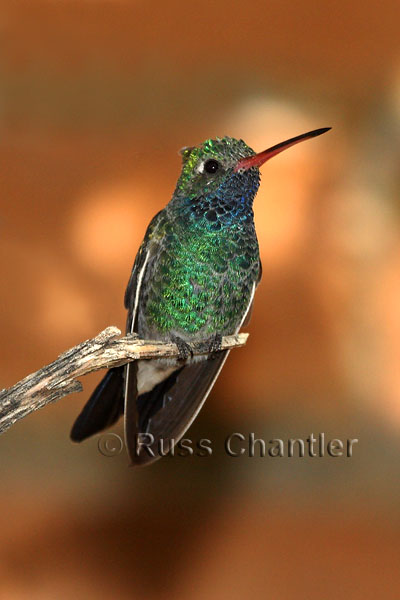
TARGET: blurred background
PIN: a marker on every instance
(96, 99)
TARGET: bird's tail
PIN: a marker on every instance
(162, 416)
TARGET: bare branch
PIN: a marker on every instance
(58, 379)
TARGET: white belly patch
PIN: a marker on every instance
(150, 373)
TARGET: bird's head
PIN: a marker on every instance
(220, 177)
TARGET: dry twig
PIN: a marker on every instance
(58, 379)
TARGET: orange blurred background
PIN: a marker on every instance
(97, 97)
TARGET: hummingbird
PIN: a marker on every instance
(193, 281)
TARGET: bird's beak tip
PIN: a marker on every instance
(259, 159)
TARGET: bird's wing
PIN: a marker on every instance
(103, 408)
(147, 249)
(106, 404)
(146, 253)
(249, 312)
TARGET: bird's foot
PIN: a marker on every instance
(212, 345)
(184, 349)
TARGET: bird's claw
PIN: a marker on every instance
(213, 345)
(184, 349)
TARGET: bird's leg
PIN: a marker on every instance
(215, 344)
(184, 348)
(212, 345)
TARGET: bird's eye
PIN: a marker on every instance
(211, 166)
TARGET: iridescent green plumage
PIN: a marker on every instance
(200, 282)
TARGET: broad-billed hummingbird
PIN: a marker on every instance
(193, 280)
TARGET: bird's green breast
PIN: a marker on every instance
(200, 281)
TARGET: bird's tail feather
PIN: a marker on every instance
(162, 415)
